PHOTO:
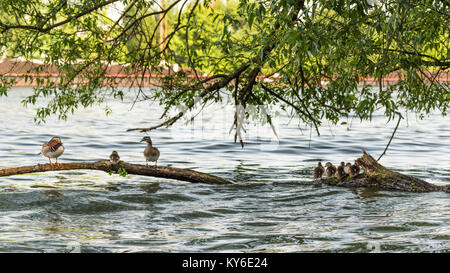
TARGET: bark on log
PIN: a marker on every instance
(377, 176)
(106, 166)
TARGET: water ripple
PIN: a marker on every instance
(272, 207)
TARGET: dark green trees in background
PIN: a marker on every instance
(318, 50)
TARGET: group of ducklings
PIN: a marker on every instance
(339, 172)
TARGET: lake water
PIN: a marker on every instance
(273, 205)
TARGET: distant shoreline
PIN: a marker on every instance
(20, 71)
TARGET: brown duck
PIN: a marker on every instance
(318, 171)
(347, 168)
(340, 173)
(331, 170)
(151, 153)
(114, 157)
(354, 170)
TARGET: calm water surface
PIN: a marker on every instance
(272, 207)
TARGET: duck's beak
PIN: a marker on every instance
(142, 140)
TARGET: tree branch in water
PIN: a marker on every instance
(136, 169)
(377, 176)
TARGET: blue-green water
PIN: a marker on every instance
(272, 207)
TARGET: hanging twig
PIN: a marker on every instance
(400, 117)
(307, 114)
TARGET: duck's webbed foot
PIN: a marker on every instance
(58, 164)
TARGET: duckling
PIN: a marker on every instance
(114, 157)
(354, 170)
(340, 173)
(347, 168)
(331, 170)
(53, 149)
(151, 153)
(318, 171)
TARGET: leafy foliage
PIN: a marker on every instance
(121, 171)
(318, 50)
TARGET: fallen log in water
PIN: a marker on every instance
(107, 166)
(374, 176)
(377, 176)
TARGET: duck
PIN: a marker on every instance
(151, 153)
(354, 170)
(318, 171)
(114, 157)
(53, 149)
(347, 168)
(340, 173)
(331, 170)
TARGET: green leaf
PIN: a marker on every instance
(251, 17)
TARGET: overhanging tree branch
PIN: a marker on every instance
(298, 109)
(7, 27)
(400, 117)
(214, 87)
(244, 93)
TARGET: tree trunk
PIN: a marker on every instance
(162, 26)
(377, 176)
(106, 166)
